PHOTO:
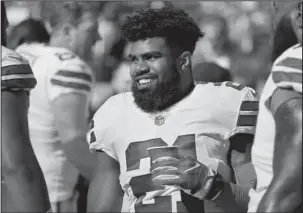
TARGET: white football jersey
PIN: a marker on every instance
(200, 125)
(31, 51)
(58, 72)
(286, 73)
(16, 73)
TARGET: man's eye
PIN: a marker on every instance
(133, 59)
(151, 57)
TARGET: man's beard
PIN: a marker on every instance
(166, 94)
(284, 37)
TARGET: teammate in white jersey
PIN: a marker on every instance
(22, 184)
(211, 123)
(58, 114)
(277, 149)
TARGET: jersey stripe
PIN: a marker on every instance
(293, 77)
(10, 77)
(17, 77)
(16, 69)
(67, 73)
(72, 85)
(21, 83)
(249, 106)
(294, 63)
(247, 120)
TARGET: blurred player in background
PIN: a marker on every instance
(211, 123)
(28, 33)
(277, 149)
(58, 114)
(22, 181)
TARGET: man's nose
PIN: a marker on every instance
(142, 67)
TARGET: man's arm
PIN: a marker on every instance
(71, 114)
(20, 168)
(105, 193)
(234, 196)
(285, 191)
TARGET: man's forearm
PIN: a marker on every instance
(77, 151)
(105, 193)
(27, 188)
(284, 193)
(280, 202)
(20, 168)
(111, 200)
(233, 198)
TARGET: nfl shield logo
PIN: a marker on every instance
(159, 120)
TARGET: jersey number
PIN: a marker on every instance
(142, 185)
(231, 84)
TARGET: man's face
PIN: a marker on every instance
(286, 8)
(296, 19)
(84, 37)
(287, 26)
(154, 74)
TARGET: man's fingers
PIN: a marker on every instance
(168, 177)
(164, 165)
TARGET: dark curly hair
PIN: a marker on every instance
(170, 23)
(27, 31)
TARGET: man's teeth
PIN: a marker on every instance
(145, 81)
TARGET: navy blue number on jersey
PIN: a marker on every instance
(142, 184)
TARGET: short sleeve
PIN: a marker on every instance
(16, 73)
(70, 77)
(247, 114)
(287, 77)
(287, 74)
(279, 97)
(102, 128)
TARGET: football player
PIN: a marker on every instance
(211, 124)
(23, 184)
(58, 114)
(277, 149)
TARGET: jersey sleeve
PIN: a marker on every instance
(16, 73)
(287, 77)
(102, 128)
(247, 114)
(70, 77)
(287, 72)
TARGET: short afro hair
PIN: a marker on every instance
(169, 23)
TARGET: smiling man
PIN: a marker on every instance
(212, 124)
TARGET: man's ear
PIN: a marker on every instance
(66, 31)
(185, 60)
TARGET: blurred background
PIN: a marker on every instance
(237, 37)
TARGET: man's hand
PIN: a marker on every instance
(186, 173)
